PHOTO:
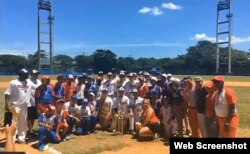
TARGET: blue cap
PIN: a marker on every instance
(85, 102)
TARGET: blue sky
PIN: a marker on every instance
(140, 28)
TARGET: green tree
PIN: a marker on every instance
(83, 62)
(200, 59)
(104, 60)
(12, 63)
(126, 63)
(63, 63)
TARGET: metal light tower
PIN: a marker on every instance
(45, 35)
(223, 6)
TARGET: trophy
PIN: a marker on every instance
(119, 123)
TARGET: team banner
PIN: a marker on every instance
(210, 145)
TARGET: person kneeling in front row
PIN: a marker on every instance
(47, 130)
(149, 125)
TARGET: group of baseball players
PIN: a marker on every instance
(81, 103)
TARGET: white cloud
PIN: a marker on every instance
(203, 36)
(171, 6)
(235, 39)
(153, 11)
(156, 11)
(145, 10)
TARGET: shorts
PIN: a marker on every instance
(32, 113)
(154, 127)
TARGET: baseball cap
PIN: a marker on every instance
(164, 75)
(100, 72)
(109, 73)
(146, 74)
(92, 94)
(60, 101)
(121, 89)
(59, 75)
(153, 78)
(134, 91)
(85, 102)
(175, 80)
(130, 75)
(169, 75)
(70, 76)
(23, 71)
(122, 73)
(198, 78)
(34, 72)
(104, 89)
(219, 78)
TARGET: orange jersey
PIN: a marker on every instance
(143, 90)
(69, 90)
(153, 118)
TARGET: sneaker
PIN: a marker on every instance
(133, 133)
(68, 137)
(41, 147)
(46, 147)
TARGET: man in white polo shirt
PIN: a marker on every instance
(17, 97)
(32, 109)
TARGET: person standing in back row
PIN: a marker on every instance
(201, 94)
(32, 109)
(225, 109)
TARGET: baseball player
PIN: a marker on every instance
(121, 103)
(136, 106)
(43, 94)
(47, 122)
(17, 98)
(84, 116)
(72, 117)
(104, 106)
(225, 109)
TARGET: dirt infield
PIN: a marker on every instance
(4, 84)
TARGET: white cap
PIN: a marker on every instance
(164, 75)
(122, 73)
(34, 72)
(121, 89)
(104, 89)
(169, 75)
(134, 91)
(91, 93)
(198, 78)
(70, 76)
(153, 78)
(109, 73)
(175, 80)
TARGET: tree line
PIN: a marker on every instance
(199, 59)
